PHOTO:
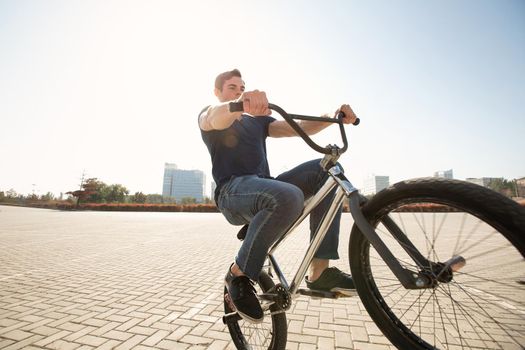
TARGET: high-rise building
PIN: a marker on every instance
(374, 184)
(447, 174)
(179, 183)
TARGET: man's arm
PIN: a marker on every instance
(218, 117)
(281, 128)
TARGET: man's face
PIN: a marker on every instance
(231, 90)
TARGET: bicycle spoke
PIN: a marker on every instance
(403, 262)
(424, 305)
(497, 305)
(442, 222)
(386, 234)
(496, 267)
(427, 242)
(461, 226)
(391, 285)
(472, 231)
(486, 314)
(399, 299)
(434, 234)
(512, 286)
(419, 308)
(457, 327)
(468, 316)
(485, 253)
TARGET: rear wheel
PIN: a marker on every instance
(271, 334)
(482, 304)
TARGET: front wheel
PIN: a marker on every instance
(271, 334)
(481, 304)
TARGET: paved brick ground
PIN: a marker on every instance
(86, 280)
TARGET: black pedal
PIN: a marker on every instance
(318, 293)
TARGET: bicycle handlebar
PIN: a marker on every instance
(238, 107)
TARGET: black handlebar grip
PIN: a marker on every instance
(341, 115)
(236, 107)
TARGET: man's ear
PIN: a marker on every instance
(217, 92)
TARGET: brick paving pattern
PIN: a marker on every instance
(100, 280)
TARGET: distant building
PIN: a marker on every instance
(447, 174)
(374, 184)
(213, 187)
(179, 183)
(482, 181)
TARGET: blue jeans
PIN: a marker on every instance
(270, 206)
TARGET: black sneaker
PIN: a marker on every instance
(333, 280)
(244, 298)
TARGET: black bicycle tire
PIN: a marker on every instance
(279, 325)
(502, 213)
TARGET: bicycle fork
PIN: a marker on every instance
(409, 279)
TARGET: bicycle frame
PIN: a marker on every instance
(409, 279)
(343, 188)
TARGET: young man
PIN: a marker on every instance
(246, 193)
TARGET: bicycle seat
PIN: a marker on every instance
(242, 232)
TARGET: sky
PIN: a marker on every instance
(111, 89)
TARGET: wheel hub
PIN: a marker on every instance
(443, 272)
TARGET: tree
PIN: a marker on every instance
(89, 191)
(169, 200)
(154, 199)
(2, 195)
(47, 197)
(95, 190)
(116, 193)
(32, 197)
(138, 197)
(503, 186)
(80, 195)
(188, 200)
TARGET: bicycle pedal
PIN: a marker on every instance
(317, 294)
(345, 293)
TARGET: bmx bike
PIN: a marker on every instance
(437, 263)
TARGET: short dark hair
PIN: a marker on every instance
(221, 78)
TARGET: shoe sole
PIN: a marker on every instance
(242, 314)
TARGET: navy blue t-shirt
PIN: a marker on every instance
(238, 150)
